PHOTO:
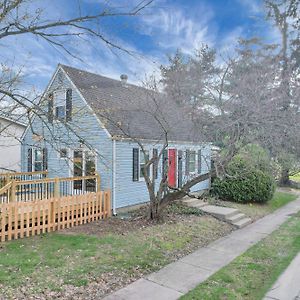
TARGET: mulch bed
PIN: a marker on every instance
(125, 223)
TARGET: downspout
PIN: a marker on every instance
(114, 179)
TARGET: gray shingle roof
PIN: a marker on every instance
(132, 111)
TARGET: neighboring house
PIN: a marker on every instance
(11, 131)
(77, 136)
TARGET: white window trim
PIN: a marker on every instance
(33, 161)
(84, 150)
(196, 165)
(142, 178)
(55, 93)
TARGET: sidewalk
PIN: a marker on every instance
(177, 278)
(287, 287)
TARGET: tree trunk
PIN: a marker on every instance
(154, 211)
(285, 178)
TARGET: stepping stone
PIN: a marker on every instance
(194, 202)
(220, 211)
(242, 223)
(235, 218)
(199, 204)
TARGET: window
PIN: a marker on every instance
(60, 112)
(38, 160)
(192, 162)
(143, 159)
(60, 105)
(63, 153)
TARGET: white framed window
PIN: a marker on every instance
(38, 160)
(142, 161)
(60, 105)
(192, 162)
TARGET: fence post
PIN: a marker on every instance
(13, 191)
(98, 182)
(56, 187)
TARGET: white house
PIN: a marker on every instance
(11, 131)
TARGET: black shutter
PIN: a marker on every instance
(50, 107)
(164, 162)
(29, 160)
(155, 164)
(135, 164)
(187, 162)
(69, 105)
(199, 162)
(179, 168)
(45, 159)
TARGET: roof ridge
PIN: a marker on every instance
(95, 74)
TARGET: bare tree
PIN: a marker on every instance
(283, 15)
(161, 119)
(30, 18)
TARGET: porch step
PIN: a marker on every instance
(236, 218)
(220, 212)
(227, 214)
(242, 223)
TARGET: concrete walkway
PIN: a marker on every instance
(287, 287)
(226, 214)
(179, 277)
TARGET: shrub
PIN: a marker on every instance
(244, 183)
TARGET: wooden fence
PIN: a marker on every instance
(24, 219)
(38, 189)
(5, 178)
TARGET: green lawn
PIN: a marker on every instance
(256, 211)
(295, 177)
(110, 254)
(251, 275)
(53, 261)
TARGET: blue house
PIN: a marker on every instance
(86, 123)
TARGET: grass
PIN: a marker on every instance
(52, 261)
(295, 177)
(251, 275)
(256, 211)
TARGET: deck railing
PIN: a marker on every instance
(5, 193)
(46, 188)
(5, 178)
(20, 219)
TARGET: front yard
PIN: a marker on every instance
(250, 276)
(89, 261)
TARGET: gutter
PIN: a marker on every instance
(114, 179)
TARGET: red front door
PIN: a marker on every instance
(172, 167)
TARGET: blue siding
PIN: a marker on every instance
(84, 125)
(129, 192)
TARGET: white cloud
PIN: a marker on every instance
(173, 27)
(254, 6)
(168, 28)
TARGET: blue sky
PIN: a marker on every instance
(160, 30)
